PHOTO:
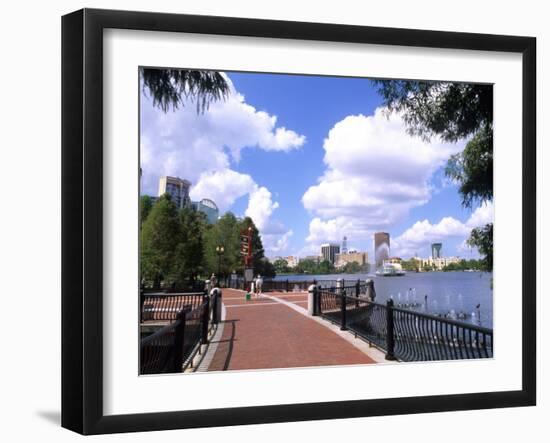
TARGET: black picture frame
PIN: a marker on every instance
(82, 218)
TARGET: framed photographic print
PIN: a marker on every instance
(269, 221)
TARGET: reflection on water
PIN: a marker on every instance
(465, 296)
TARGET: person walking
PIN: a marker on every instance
(258, 285)
(213, 281)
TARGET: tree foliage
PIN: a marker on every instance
(145, 205)
(411, 265)
(351, 268)
(260, 264)
(178, 247)
(265, 268)
(453, 111)
(310, 266)
(224, 233)
(473, 169)
(482, 239)
(189, 256)
(169, 88)
(281, 266)
(159, 235)
(466, 265)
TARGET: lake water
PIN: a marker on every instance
(449, 293)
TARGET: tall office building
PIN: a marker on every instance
(177, 188)
(436, 250)
(381, 248)
(329, 251)
(209, 208)
(345, 245)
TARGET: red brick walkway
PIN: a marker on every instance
(263, 333)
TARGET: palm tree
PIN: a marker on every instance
(169, 87)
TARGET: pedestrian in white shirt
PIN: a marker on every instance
(258, 285)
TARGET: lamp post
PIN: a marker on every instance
(219, 250)
(249, 256)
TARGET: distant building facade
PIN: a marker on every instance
(329, 251)
(207, 207)
(440, 262)
(292, 261)
(393, 261)
(436, 250)
(361, 258)
(315, 258)
(381, 248)
(177, 188)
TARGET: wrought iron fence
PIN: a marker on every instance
(303, 285)
(188, 286)
(173, 347)
(293, 285)
(404, 335)
(161, 306)
(158, 351)
(326, 283)
(234, 282)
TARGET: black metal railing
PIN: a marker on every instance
(303, 285)
(228, 281)
(188, 286)
(276, 286)
(402, 334)
(173, 347)
(287, 285)
(161, 306)
(158, 351)
(347, 284)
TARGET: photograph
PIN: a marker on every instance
(300, 220)
(266, 222)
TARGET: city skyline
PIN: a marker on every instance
(307, 174)
(325, 251)
(179, 190)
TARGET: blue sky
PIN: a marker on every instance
(312, 159)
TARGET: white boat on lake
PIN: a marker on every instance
(390, 270)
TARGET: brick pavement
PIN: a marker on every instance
(264, 334)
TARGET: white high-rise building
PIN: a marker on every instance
(177, 188)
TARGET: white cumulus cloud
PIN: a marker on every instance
(375, 173)
(223, 187)
(483, 215)
(276, 243)
(260, 207)
(186, 144)
(422, 233)
(275, 237)
(331, 230)
(375, 169)
(204, 147)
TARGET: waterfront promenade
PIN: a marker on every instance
(274, 331)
